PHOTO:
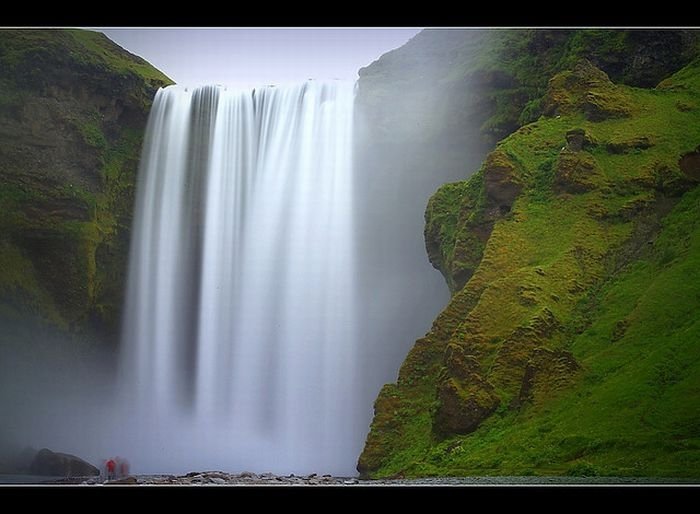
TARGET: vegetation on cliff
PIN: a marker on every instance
(569, 345)
(73, 108)
(495, 79)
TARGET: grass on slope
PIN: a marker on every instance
(626, 306)
(30, 49)
(635, 410)
(98, 46)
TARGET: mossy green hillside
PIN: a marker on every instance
(515, 65)
(572, 349)
(449, 78)
(73, 109)
(454, 246)
(32, 56)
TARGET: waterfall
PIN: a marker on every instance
(239, 349)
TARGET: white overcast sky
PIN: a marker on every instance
(250, 56)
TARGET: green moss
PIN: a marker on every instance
(606, 273)
(526, 59)
(27, 52)
(97, 48)
(69, 219)
(91, 131)
(452, 215)
(442, 215)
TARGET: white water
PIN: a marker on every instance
(239, 345)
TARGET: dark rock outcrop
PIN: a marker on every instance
(689, 164)
(50, 463)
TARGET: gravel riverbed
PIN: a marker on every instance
(219, 478)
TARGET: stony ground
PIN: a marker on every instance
(216, 478)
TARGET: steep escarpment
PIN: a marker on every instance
(461, 86)
(73, 108)
(569, 344)
(429, 113)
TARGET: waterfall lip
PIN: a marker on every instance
(252, 86)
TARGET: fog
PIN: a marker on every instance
(70, 397)
(55, 392)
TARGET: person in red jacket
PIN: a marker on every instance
(111, 468)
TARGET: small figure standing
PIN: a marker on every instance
(123, 468)
(111, 468)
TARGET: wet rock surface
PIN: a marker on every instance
(219, 478)
(214, 478)
(51, 463)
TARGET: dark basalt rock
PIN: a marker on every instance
(51, 463)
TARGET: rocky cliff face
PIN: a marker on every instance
(429, 113)
(73, 109)
(458, 92)
(566, 347)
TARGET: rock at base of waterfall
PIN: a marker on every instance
(51, 463)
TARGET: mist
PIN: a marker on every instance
(414, 131)
(56, 392)
(408, 139)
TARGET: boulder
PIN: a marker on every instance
(50, 463)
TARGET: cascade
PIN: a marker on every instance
(238, 347)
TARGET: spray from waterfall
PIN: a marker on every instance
(239, 345)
